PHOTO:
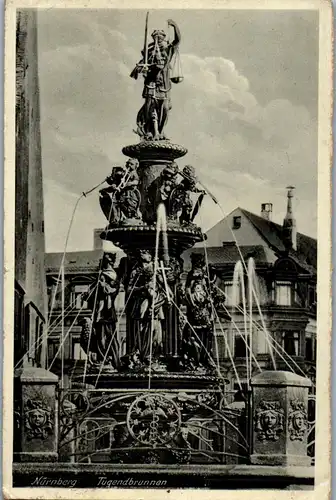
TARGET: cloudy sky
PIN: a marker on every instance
(246, 110)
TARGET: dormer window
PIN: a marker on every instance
(236, 222)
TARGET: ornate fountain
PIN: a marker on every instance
(166, 386)
(150, 205)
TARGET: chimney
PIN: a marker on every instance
(289, 223)
(97, 241)
(266, 210)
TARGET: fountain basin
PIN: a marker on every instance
(143, 236)
(164, 151)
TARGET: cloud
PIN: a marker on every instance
(252, 192)
(246, 152)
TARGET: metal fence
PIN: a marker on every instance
(152, 426)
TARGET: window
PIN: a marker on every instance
(227, 287)
(19, 327)
(38, 341)
(309, 350)
(55, 296)
(53, 347)
(77, 297)
(312, 297)
(283, 293)
(233, 293)
(77, 350)
(33, 322)
(290, 343)
(38, 354)
(26, 335)
(236, 222)
(240, 350)
(37, 330)
(266, 207)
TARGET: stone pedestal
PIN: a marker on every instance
(36, 410)
(280, 427)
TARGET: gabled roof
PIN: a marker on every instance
(75, 261)
(228, 254)
(306, 253)
(80, 259)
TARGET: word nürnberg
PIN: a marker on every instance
(61, 483)
(110, 483)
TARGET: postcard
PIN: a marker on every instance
(167, 201)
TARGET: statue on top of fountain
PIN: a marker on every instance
(120, 201)
(155, 66)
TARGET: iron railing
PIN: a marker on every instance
(152, 426)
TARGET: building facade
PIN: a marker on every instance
(30, 284)
(274, 282)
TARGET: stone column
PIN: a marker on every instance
(159, 176)
(36, 437)
(280, 426)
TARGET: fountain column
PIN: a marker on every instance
(158, 177)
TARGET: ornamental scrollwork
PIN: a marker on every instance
(153, 419)
(297, 420)
(269, 421)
